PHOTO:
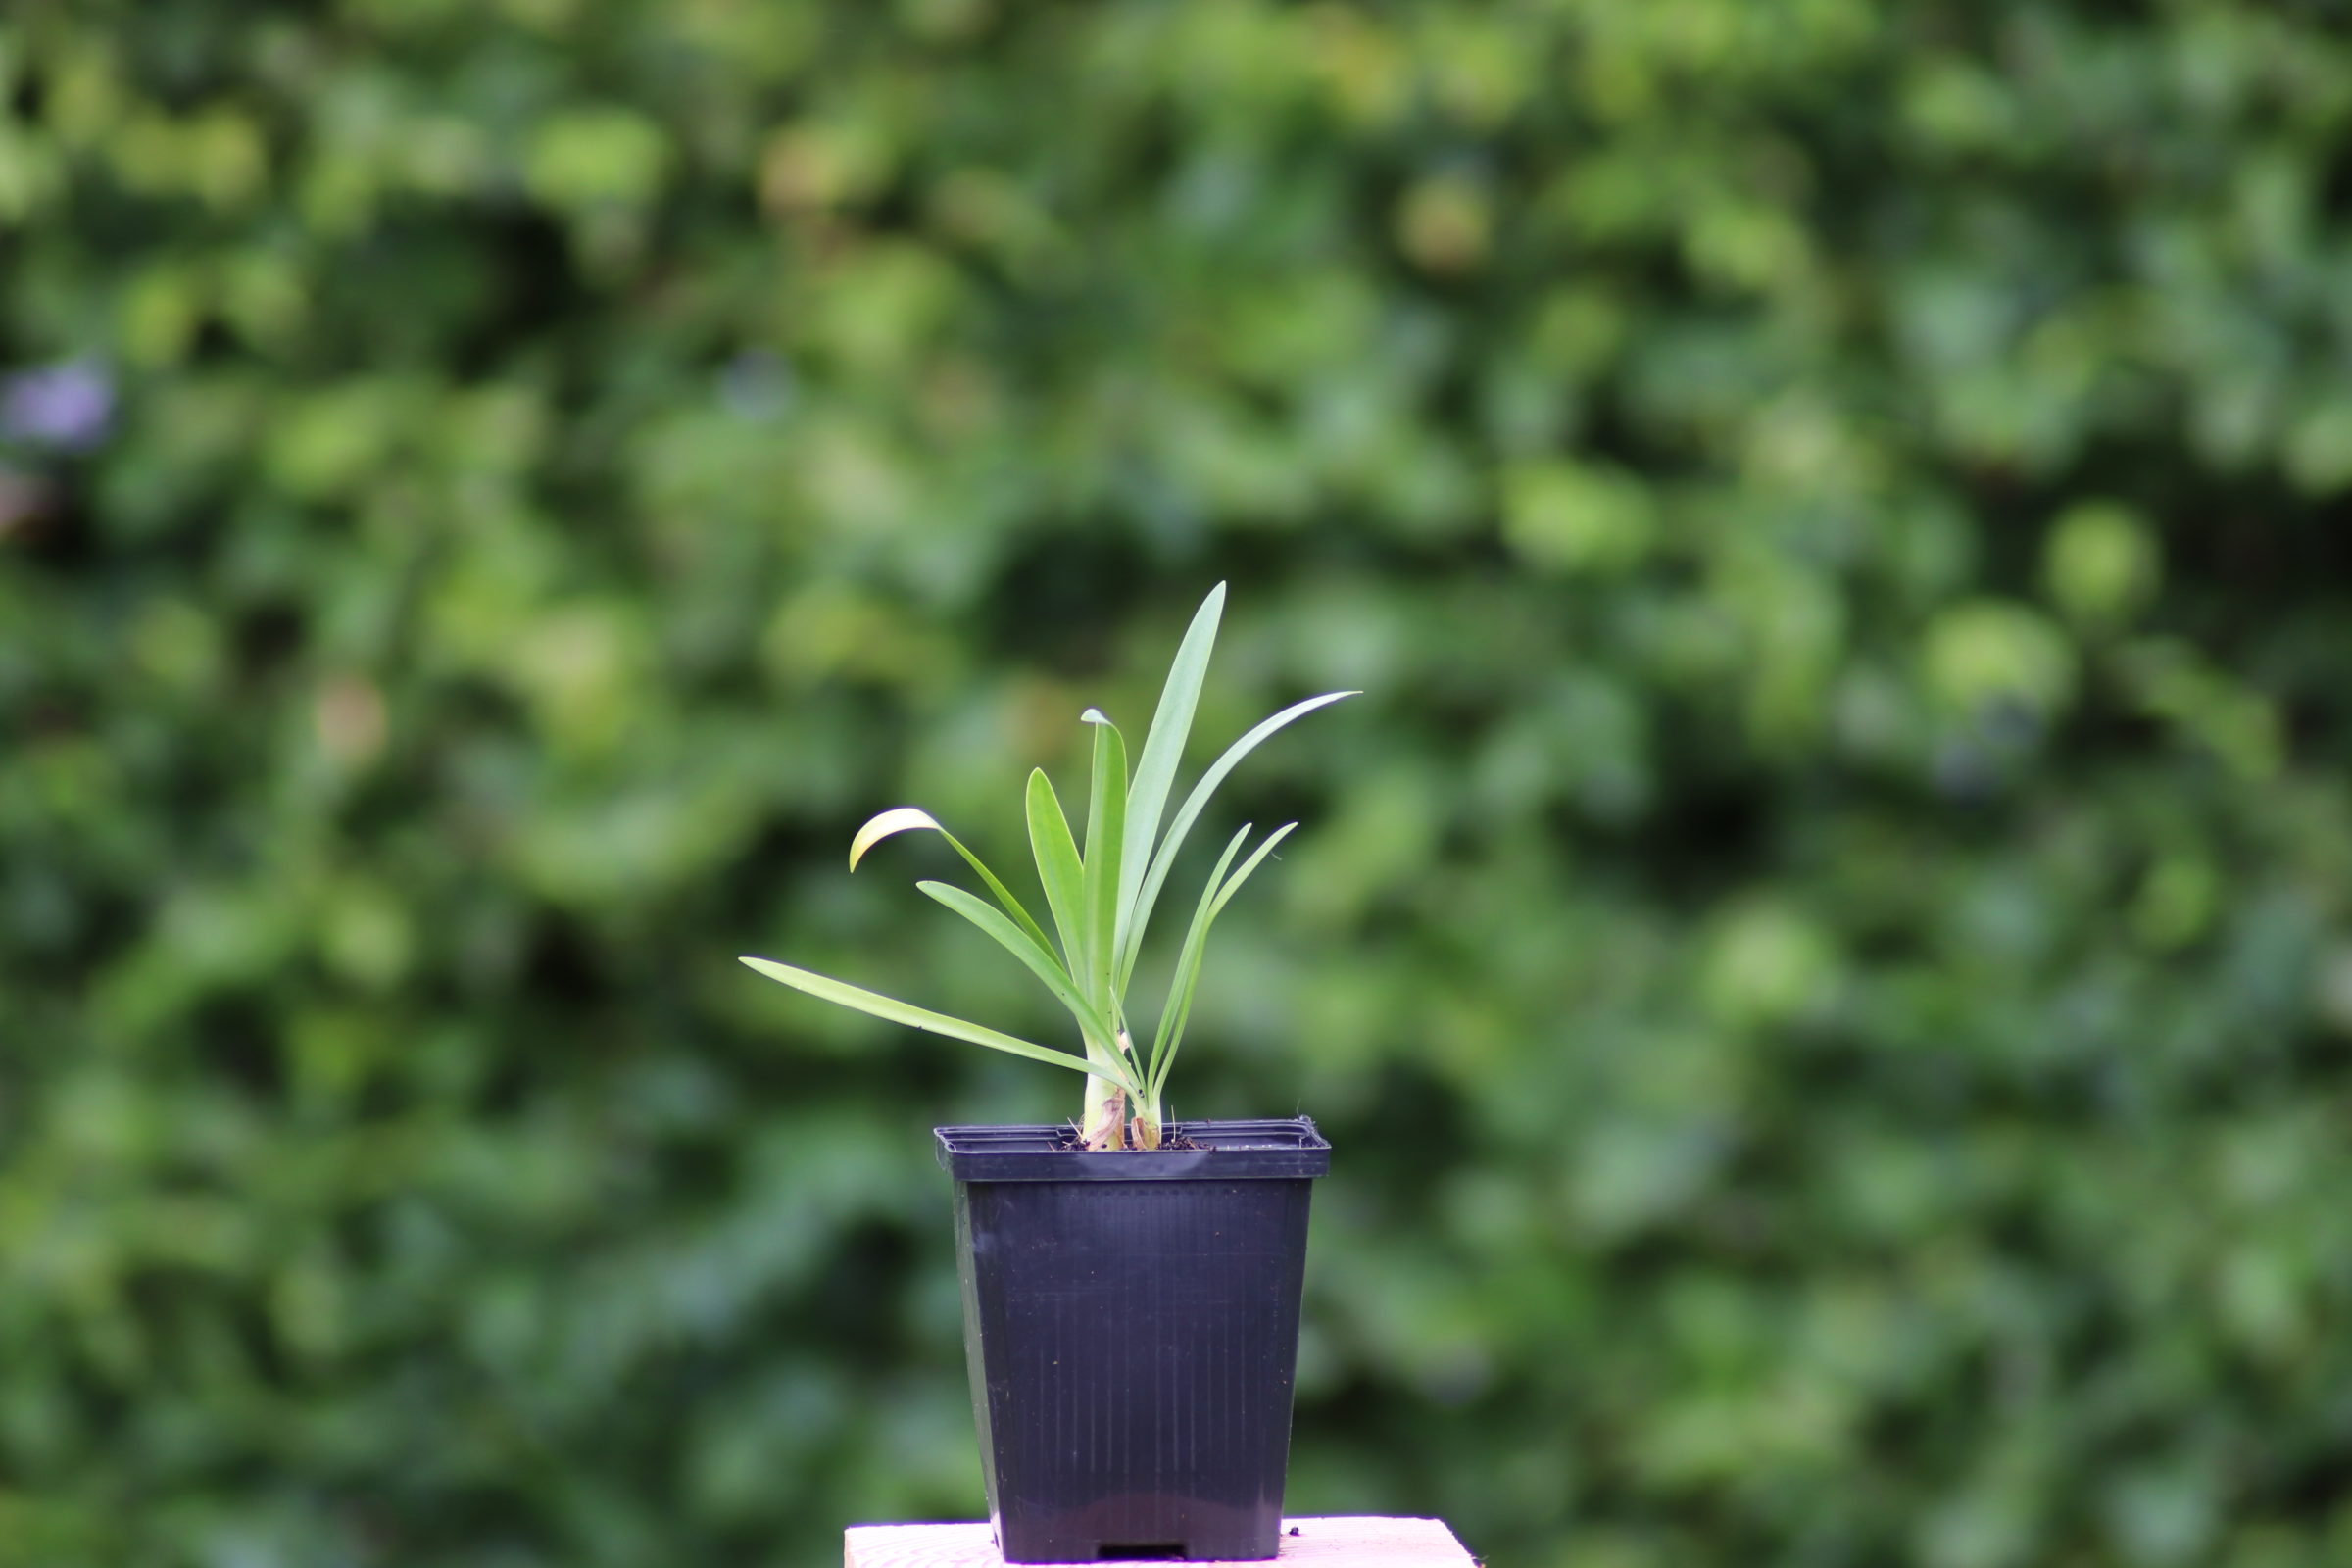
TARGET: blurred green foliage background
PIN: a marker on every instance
(1826, 952)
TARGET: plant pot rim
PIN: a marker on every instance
(1284, 1149)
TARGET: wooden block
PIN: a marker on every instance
(1350, 1543)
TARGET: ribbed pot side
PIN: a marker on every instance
(1131, 1327)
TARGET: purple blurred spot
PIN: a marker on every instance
(66, 405)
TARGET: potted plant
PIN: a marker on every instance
(1130, 1285)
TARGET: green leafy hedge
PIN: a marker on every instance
(1825, 953)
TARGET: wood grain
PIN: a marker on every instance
(1361, 1542)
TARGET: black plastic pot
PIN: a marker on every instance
(1131, 1325)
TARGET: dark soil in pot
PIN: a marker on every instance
(1131, 1324)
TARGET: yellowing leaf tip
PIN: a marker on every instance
(898, 819)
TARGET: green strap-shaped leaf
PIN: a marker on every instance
(1098, 1034)
(1188, 961)
(900, 819)
(1165, 856)
(1106, 824)
(1233, 883)
(1058, 868)
(1163, 749)
(1215, 895)
(913, 1017)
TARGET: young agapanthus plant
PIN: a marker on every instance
(1100, 900)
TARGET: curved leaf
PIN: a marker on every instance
(894, 1010)
(1165, 856)
(1233, 883)
(901, 818)
(1187, 972)
(1215, 895)
(898, 819)
(1040, 962)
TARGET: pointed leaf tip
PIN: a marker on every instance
(898, 819)
(1161, 858)
(1094, 715)
(1156, 768)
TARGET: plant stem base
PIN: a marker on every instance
(1356, 1541)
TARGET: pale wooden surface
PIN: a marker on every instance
(1361, 1542)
